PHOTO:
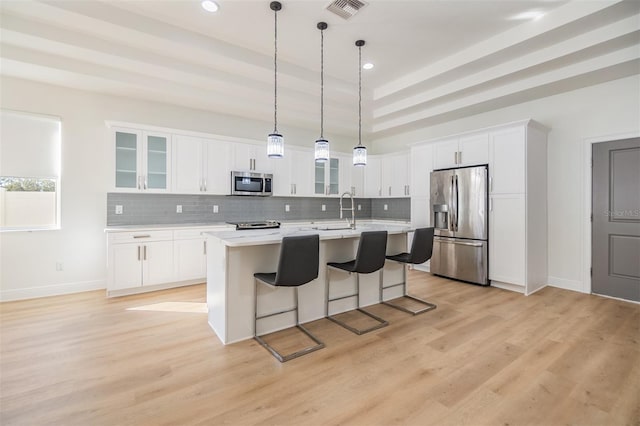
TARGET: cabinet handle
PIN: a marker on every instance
(455, 157)
(490, 184)
(295, 189)
(389, 191)
(380, 192)
(139, 186)
(145, 182)
(353, 190)
(490, 204)
(138, 253)
(459, 157)
(200, 185)
(204, 249)
(144, 253)
(205, 185)
(142, 236)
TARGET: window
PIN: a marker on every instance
(29, 171)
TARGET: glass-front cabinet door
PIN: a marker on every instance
(127, 164)
(157, 162)
(327, 177)
(142, 160)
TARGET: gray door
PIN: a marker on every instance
(615, 236)
(470, 193)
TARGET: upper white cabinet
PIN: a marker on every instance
(466, 150)
(294, 174)
(420, 165)
(248, 157)
(357, 178)
(373, 177)
(142, 160)
(200, 165)
(507, 171)
(395, 175)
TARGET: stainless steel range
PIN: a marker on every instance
(262, 224)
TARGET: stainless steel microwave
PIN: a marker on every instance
(251, 183)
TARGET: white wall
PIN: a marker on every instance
(28, 259)
(606, 109)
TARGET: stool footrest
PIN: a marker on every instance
(342, 297)
(427, 306)
(296, 354)
(381, 322)
(393, 285)
(276, 313)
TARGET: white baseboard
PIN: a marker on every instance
(51, 290)
(421, 267)
(563, 283)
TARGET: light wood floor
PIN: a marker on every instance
(485, 356)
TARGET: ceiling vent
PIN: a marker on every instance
(346, 8)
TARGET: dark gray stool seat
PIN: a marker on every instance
(370, 258)
(421, 251)
(297, 265)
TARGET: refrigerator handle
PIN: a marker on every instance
(456, 203)
(452, 212)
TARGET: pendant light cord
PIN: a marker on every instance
(275, 74)
(359, 95)
(321, 84)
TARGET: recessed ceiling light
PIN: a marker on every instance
(532, 15)
(367, 66)
(209, 5)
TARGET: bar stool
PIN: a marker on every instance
(370, 258)
(421, 250)
(298, 265)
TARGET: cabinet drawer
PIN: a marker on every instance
(139, 236)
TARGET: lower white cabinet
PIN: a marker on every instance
(137, 259)
(190, 255)
(147, 260)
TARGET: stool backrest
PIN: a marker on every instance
(371, 252)
(299, 257)
(422, 246)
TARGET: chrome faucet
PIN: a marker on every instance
(352, 223)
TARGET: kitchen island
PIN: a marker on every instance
(234, 256)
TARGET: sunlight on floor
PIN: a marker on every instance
(188, 307)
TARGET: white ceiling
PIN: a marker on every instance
(434, 60)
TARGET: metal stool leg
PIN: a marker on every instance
(427, 305)
(381, 322)
(283, 357)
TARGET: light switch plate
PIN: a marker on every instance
(324, 207)
(286, 207)
(215, 209)
(386, 207)
(359, 207)
(179, 208)
(119, 209)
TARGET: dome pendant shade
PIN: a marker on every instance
(322, 150)
(275, 146)
(359, 155)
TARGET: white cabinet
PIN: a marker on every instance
(139, 259)
(372, 177)
(294, 174)
(190, 255)
(518, 206)
(248, 157)
(507, 171)
(200, 165)
(345, 174)
(357, 179)
(421, 161)
(142, 160)
(466, 150)
(395, 175)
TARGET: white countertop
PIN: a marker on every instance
(256, 237)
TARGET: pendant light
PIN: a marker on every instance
(275, 141)
(321, 148)
(360, 152)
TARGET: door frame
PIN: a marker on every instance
(586, 210)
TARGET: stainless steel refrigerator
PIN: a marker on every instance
(459, 207)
